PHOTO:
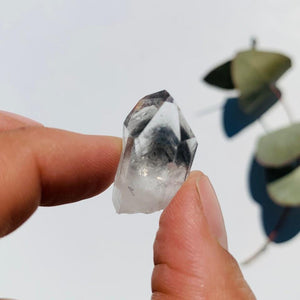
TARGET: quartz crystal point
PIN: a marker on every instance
(158, 151)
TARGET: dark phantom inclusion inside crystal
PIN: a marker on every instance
(164, 148)
(167, 146)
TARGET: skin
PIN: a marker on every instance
(54, 167)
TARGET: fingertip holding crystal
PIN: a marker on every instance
(158, 151)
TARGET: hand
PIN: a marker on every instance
(190, 250)
(46, 166)
(43, 166)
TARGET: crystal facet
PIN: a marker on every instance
(158, 151)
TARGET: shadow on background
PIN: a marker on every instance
(235, 120)
(271, 212)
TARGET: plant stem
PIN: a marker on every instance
(271, 237)
(253, 43)
(283, 103)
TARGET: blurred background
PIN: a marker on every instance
(82, 66)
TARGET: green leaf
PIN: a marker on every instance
(279, 147)
(286, 190)
(251, 70)
(259, 99)
(221, 76)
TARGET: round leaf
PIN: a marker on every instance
(221, 76)
(286, 190)
(280, 147)
(251, 70)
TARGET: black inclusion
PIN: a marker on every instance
(164, 145)
(183, 156)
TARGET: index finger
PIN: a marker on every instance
(43, 166)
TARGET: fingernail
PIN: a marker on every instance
(20, 118)
(212, 210)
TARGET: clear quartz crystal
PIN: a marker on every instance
(158, 151)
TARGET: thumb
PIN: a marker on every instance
(190, 256)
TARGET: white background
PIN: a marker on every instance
(81, 66)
